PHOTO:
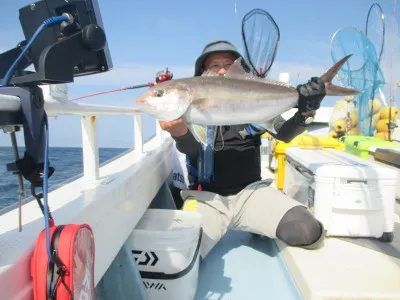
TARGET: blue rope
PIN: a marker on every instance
(254, 129)
(47, 23)
(45, 190)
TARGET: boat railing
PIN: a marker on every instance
(89, 114)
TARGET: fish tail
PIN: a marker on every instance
(335, 90)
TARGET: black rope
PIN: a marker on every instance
(38, 198)
(61, 273)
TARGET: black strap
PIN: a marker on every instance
(60, 278)
(165, 276)
(56, 262)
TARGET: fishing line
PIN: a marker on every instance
(150, 84)
(161, 76)
(222, 139)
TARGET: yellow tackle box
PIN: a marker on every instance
(303, 141)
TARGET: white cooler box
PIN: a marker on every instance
(166, 244)
(350, 196)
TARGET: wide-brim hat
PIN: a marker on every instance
(216, 46)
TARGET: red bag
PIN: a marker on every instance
(70, 274)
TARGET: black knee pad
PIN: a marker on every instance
(298, 227)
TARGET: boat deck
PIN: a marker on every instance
(244, 266)
(344, 270)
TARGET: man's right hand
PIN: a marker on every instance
(176, 127)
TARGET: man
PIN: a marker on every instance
(236, 197)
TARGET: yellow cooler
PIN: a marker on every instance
(304, 142)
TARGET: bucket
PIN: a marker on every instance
(165, 245)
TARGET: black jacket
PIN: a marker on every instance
(236, 159)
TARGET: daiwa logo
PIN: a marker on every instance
(176, 176)
(154, 286)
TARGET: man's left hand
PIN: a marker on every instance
(310, 96)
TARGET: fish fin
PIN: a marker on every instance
(269, 125)
(209, 73)
(279, 83)
(199, 133)
(236, 70)
(334, 90)
(201, 102)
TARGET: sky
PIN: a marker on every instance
(145, 37)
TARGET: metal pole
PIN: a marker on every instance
(20, 179)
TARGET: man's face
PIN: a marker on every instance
(219, 62)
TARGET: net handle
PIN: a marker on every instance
(347, 63)
(245, 18)
(380, 11)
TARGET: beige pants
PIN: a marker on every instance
(258, 208)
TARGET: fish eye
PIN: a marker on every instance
(159, 93)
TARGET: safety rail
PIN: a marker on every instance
(89, 114)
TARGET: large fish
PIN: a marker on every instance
(235, 98)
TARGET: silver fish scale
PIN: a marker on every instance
(214, 87)
(280, 83)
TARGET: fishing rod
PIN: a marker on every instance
(161, 76)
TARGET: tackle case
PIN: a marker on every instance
(70, 272)
(351, 196)
(304, 142)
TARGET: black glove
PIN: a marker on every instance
(311, 94)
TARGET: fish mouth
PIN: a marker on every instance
(146, 107)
